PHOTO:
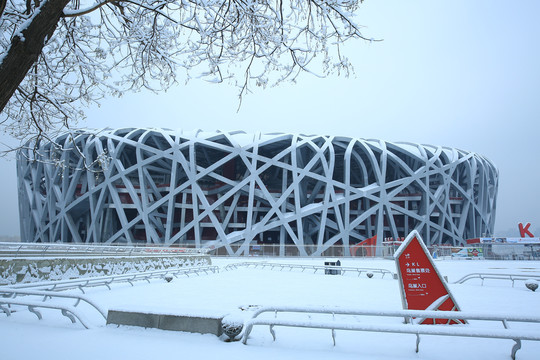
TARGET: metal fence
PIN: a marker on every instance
(277, 250)
(479, 251)
(81, 283)
(8, 249)
(326, 269)
(490, 276)
(409, 326)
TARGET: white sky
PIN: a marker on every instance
(463, 74)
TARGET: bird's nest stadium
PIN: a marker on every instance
(229, 191)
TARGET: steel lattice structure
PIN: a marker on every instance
(219, 189)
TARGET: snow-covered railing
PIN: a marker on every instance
(324, 268)
(411, 327)
(483, 276)
(10, 297)
(107, 280)
(9, 249)
(68, 311)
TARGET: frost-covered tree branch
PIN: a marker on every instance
(56, 56)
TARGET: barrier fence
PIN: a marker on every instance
(81, 283)
(479, 251)
(10, 249)
(326, 269)
(411, 326)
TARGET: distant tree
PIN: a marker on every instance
(59, 55)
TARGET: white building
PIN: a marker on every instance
(233, 190)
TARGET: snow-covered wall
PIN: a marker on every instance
(24, 270)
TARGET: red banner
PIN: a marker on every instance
(421, 285)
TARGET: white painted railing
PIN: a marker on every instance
(411, 327)
(19, 297)
(9, 249)
(484, 276)
(15, 294)
(81, 283)
(11, 295)
(315, 268)
(68, 311)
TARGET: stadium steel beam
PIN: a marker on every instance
(233, 190)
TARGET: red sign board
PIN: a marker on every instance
(421, 285)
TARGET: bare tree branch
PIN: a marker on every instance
(2, 7)
(88, 10)
(61, 55)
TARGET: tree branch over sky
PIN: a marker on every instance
(57, 56)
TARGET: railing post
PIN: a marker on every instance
(515, 348)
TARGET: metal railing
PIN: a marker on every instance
(8, 249)
(277, 250)
(68, 311)
(315, 268)
(487, 251)
(12, 297)
(14, 293)
(108, 280)
(411, 327)
(483, 276)
(49, 290)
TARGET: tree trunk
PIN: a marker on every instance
(26, 47)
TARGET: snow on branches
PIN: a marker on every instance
(109, 47)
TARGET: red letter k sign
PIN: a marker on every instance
(525, 230)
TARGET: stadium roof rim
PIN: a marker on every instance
(244, 139)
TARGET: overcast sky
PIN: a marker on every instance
(463, 74)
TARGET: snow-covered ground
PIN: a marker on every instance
(22, 336)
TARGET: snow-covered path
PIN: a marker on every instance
(22, 336)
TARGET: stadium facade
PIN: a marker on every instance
(232, 190)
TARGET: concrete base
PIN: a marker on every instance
(189, 323)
